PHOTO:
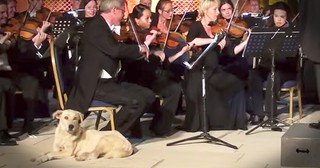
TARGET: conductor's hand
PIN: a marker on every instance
(144, 50)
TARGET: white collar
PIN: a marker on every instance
(114, 28)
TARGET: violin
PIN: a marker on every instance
(13, 26)
(237, 28)
(29, 27)
(127, 35)
(174, 39)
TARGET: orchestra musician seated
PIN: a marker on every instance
(29, 66)
(96, 77)
(7, 88)
(156, 74)
(285, 69)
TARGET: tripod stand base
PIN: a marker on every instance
(205, 136)
(272, 123)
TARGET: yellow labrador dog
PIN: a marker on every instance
(72, 140)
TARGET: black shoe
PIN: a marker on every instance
(9, 136)
(30, 130)
(255, 119)
(315, 125)
(7, 142)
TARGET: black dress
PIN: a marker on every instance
(221, 87)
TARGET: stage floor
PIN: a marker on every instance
(260, 149)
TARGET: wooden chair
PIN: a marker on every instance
(96, 106)
(292, 86)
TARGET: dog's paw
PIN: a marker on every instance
(40, 159)
(82, 157)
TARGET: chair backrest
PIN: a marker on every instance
(57, 73)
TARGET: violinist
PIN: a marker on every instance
(12, 11)
(164, 12)
(221, 85)
(155, 77)
(29, 66)
(96, 77)
(13, 24)
(7, 87)
(230, 58)
(166, 22)
(252, 14)
(285, 69)
(90, 8)
(148, 3)
(73, 11)
(253, 7)
(75, 4)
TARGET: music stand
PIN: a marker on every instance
(277, 44)
(204, 135)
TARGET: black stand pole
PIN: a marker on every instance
(204, 135)
(271, 121)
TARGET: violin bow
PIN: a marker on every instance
(242, 7)
(232, 16)
(168, 32)
(295, 17)
(182, 18)
(136, 35)
(134, 30)
(54, 6)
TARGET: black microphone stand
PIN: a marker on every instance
(204, 135)
(272, 121)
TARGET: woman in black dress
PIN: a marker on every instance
(221, 86)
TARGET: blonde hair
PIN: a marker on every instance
(205, 5)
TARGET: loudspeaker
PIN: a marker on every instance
(300, 146)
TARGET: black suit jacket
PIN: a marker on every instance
(99, 50)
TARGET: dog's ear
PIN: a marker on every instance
(81, 116)
(57, 114)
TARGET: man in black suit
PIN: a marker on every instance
(98, 67)
(310, 40)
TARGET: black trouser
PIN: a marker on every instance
(255, 89)
(134, 99)
(5, 119)
(29, 85)
(170, 92)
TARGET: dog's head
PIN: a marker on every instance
(69, 120)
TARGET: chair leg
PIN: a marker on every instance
(98, 120)
(291, 106)
(111, 115)
(300, 103)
